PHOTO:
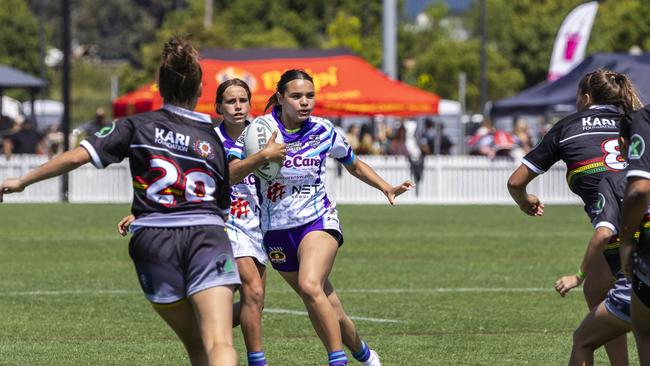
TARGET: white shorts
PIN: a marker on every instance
(247, 244)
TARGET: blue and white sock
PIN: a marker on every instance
(364, 354)
(337, 358)
(256, 359)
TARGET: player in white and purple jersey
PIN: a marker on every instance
(302, 232)
(587, 142)
(244, 231)
(180, 251)
(635, 255)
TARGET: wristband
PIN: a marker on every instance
(581, 275)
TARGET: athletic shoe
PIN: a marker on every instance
(373, 360)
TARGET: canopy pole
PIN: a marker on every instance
(65, 123)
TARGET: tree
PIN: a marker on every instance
(19, 47)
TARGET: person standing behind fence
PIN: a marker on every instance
(302, 230)
(587, 142)
(180, 250)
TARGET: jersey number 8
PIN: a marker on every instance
(612, 158)
(194, 185)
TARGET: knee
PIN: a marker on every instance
(582, 342)
(254, 295)
(310, 289)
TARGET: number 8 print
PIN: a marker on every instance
(195, 185)
(612, 158)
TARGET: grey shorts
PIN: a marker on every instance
(177, 262)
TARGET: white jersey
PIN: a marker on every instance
(297, 195)
(243, 224)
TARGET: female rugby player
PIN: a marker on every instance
(180, 180)
(301, 228)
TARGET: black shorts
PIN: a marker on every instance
(176, 262)
(641, 279)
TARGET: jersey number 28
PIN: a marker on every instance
(195, 185)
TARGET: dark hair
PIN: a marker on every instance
(610, 87)
(288, 76)
(179, 73)
(225, 85)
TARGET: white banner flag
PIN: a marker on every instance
(571, 41)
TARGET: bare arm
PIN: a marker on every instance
(366, 174)
(596, 246)
(61, 164)
(635, 204)
(517, 184)
(240, 168)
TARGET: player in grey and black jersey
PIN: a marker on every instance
(180, 250)
(587, 142)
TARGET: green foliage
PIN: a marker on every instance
(19, 37)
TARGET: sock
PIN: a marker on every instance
(256, 359)
(364, 354)
(337, 358)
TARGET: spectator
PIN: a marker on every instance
(482, 142)
(522, 136)
(93, 125)
(398, 142)
(24, 141)
(430, 138)
(367, 145)
(353, 137)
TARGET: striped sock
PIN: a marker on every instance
(337, 358)
(364, 354)
(256, 359)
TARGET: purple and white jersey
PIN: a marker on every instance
(244, 204)
(297, 195)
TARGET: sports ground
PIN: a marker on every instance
(427, 285)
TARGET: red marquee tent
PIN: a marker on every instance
(345, 84)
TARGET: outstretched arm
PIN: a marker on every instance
(61, 164)
(365, 173)
(635, 204)
(240, 168)
(528, 203)
(597, 245)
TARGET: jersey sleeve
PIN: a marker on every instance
(341, 149)
(607, 208)
(546, 153)
(237, 151)
(638, 157)
(109, 145)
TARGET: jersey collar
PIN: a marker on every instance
(201, 117)
(608, 107)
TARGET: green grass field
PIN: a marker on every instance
(441, 285)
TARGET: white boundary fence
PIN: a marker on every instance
(445, 180)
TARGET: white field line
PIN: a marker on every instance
(304, 313)
(351, 291)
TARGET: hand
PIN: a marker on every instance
(11, 185)
(274, 151)
(124, 224)
(626, 251)
(532, 206)
(566, 283)
(397, 190)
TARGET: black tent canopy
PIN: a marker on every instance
(561, 94)
(11, 78)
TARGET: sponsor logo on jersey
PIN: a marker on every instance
(275, 192)
(591, 123)
(304, 190)
(105, 131)
(600, 204)
(314, 141)
(204, 149)
(276, 255)
(223, 264)
(172, 140)
(300, 161)
(294, 146)
(637, 147)
(240, 208)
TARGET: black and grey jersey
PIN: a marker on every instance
(639, 158)
(177, 161)
(587, 141)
